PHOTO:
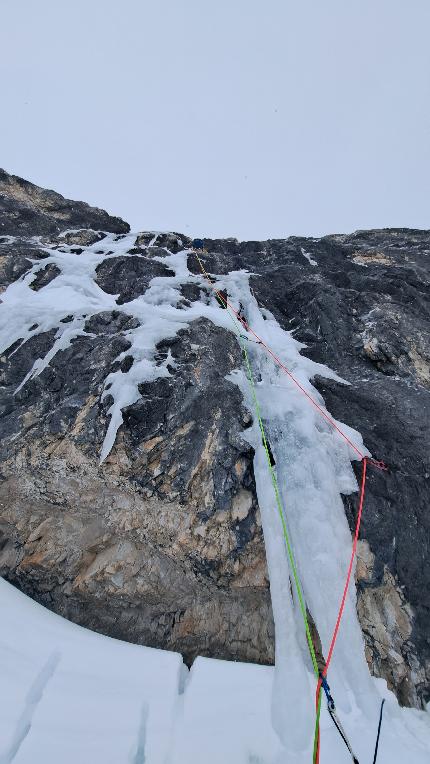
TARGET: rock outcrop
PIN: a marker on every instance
(28, 210)
(162, 543)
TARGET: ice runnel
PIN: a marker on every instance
(313, 466)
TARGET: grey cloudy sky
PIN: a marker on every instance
(247, 118)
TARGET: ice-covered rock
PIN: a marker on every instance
(132, 482)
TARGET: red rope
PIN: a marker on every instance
(379, 464)
(365, 460)
(345, 591)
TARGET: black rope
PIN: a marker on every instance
(342, 734)
(379, 732)
(332, 711)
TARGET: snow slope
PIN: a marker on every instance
(69, 695)
(76, 694)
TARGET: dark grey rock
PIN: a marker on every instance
(16, 259)
(85, 237)
(110, 322)
(129, 277)
(364, 310)
(44, 276)
(174, 242)
(186, 479)
(162, 544)
(28, 210)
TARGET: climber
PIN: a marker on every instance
(199, 244)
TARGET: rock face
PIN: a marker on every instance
(162, 543)
(361, 304)
(27, 210)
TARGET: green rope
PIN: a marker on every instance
(317, 728)
(281, 515)
(251, 381)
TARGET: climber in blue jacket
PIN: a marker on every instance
(198, 244)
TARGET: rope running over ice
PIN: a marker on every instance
(364, 459)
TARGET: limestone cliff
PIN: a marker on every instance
(162, 543)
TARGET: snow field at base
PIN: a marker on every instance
(313, 466)
(70, 695)
(226, 715)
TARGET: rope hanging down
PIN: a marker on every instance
(321, 676)
(375, 755)
(273, 477)
(332, 711)
(340, 613)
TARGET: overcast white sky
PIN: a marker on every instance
(247, 118)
